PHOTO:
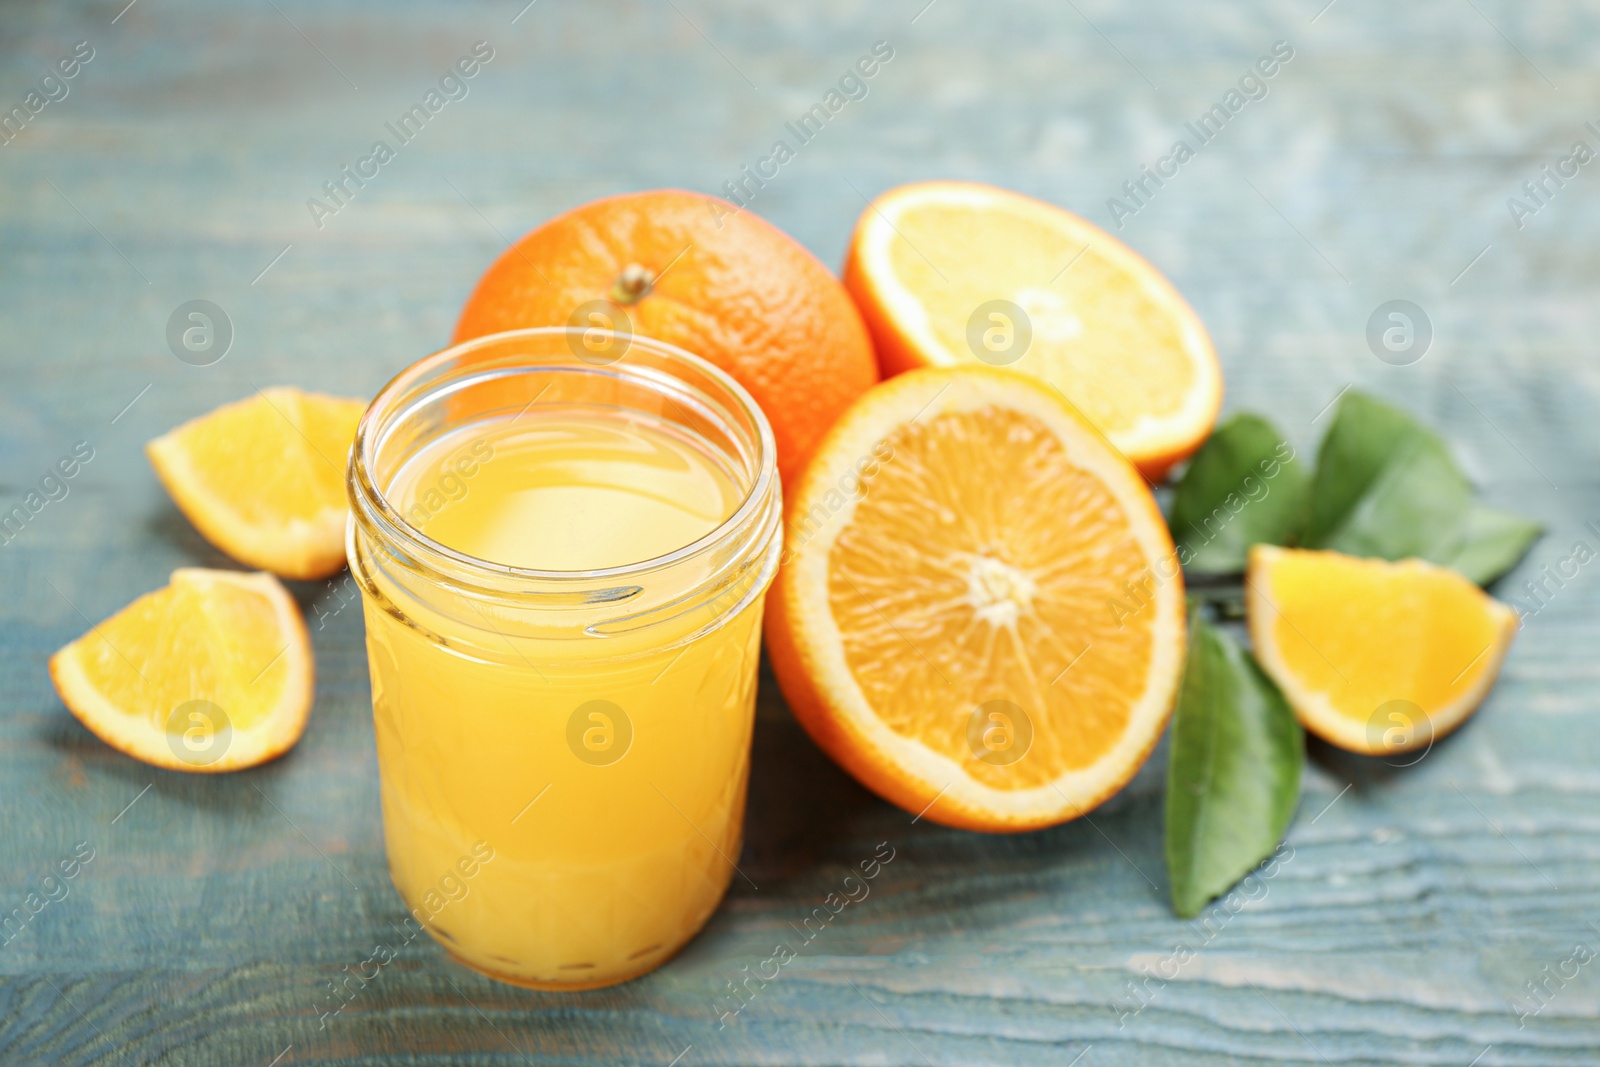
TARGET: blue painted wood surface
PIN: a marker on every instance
(1378, 166)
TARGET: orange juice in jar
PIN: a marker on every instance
(562, 559)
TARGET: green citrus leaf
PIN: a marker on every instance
(1234, 777)
(1495, 540)
(1244, 486)
(1387, 486)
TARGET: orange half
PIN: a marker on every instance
(1375, 657)
(980, 613)
(212, 672)
(955, 273)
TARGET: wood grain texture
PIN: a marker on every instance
(204, 931)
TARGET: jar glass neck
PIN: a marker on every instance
(542, 373)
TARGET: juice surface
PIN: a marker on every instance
(564, 492)
(606, 788)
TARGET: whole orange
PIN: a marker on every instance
(697, 272)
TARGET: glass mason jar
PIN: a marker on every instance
(563, 754)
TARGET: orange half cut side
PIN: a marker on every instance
(980, 614)
(959, 273)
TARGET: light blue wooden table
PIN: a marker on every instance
(176, 164)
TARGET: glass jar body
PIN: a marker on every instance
(563, 756)
(540, 864)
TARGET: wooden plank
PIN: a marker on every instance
(215, 909)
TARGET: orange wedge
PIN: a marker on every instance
(263, 478)
(1375, 657)
(212, 672)
(980, 613)
(952, 273)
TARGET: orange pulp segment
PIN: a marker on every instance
(1375, 657)
(263, 478)
(212, 672)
